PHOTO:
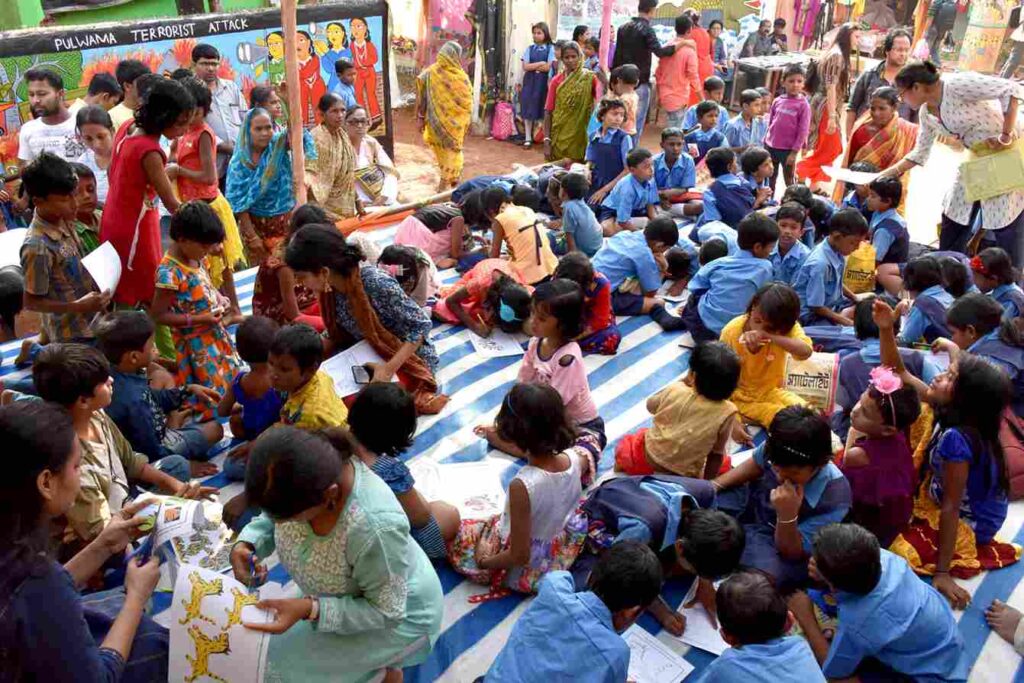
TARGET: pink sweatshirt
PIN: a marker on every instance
(789, 122)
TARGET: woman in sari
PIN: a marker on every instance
(827, 84)
(880, 137)
(259, 183)
(571, 98)
(376, 175)
(363, 302)
(331, 175)
(443, 107)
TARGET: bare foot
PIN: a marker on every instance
(1003, 619)
(393, 676)
(7, 397)
(23, 355)
(202, 469)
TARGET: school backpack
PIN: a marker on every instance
(503, 122)
(1011, 438)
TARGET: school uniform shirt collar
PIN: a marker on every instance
(889, 214)
(831, 255)
(796, 251)
(641, 186)
(871, 351)
(934, 291)
(660, 165)
(730, 179)
(813, 489)
(672, 497)
(605, 137)
(596, 606)
(1001, 290)
(991, 336)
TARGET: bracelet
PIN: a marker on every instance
(940, 571)
(188, 320)
(547, 139)
(314, 610)
(787, 521)
(1005, 138)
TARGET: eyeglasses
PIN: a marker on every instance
(358, 122)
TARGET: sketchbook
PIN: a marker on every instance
(651, 661)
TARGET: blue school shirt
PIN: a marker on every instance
(782, 660)
(347, 93)
(706, 140)
(918, 323)
(755, 186)
(626, 144)
(630, 195)
(871, 353)
(719, 230)
(683, 173)
(739, 135)
(727, 285)
(563, 635)
(903, 623)
(1005, 295)
(626, 254)
(580, 222)
(690, 118)
(711, 211)
(881, 237)
(852, 201)
(785, 267)
(819, 282)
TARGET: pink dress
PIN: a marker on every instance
(564, 371)
(413, 233)
(477, 281)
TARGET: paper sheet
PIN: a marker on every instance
(339, 367)
(10, 246)
(848, 176)
(187, 532)
(651, 661)
(700, 633)
(497, 345)
(105, 267)
(473, 487)
(208, 640)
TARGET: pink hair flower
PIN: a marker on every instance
(885, 380)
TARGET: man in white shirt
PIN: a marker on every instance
(53, 128)
(228, 107)
(127, 73)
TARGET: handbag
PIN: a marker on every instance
(503, 125)
(988, 173)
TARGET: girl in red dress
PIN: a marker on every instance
(364, 57)
(311, 83)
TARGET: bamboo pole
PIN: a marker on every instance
(289, 26)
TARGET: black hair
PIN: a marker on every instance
(793, 70)
(533, 417)
(12, 295)
(95, 115)
(750, 608)
(683, 25)
(764, 92)
(593, 43)
(843, 39)
(575, 185)
(493, 198)
(662, 229)
(313, 247)
(798, 437)
(677, 263)
(710, 541)
(524, 195)
(706, 107)
(607, 104)
(196, 221)
(254, 338)
(48, 174)
(301, 342)
(64, 373)
(122, 332)
(779, 305)
(752, 158)
(984, 314)
(328, 100)
(848, 557)
(627, 575)
(543, 26)
(408, 271)
(259, 96)
(713, 83)
(956, 277)
(637, 156)
(900, 409)
(712, 23)
(864, 167)
(204, 51)
(672, 132)
(799, 193)
(892, 35)
(290, 469)
(716, 370)
(82, 171)
(847, 222)
(343, 65)
(645, 6)
(164, 102)
(145, 82)
(43, 73)
(756, 228)
(889, 189)
(780, 23)
(308, 214)
(791, 211)
(864, 326)
(181, 73)
(719, 160)
(343, 30)
(712, 250)
(749, 96)
(563, 300)
(383, 418)
(104, 83)
(925, 73)
(626, 73)
(888, 94)
(922, 273)
(201, 95)
(998, 265)
(575, 266)
(309, 39)
(129, 70)
(577, 32)
(506, 290)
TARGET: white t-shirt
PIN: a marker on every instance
(36, 137)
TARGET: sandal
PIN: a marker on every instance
(527, 145)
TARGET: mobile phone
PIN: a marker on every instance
(360, 374)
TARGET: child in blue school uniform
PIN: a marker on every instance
(747, 128)
(708, 136)
(790, 253)
(784, 493)
(819, 212)
(674, 173)
(891, 624)
(716, 230)
(634, 255)
(857, 198)
(819, 282)
(634, 200)
(607, 149)
(714, 91)
(926, 320)
(995, 275)
(889, 234)
(756, 168)
(579, 224)
(567, 634)
(754, 620)
(729, 198)
(721, 290)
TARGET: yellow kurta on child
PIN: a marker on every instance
(528, 245)
(685, 430)
(315, 405)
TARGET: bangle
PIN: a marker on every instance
(188, 320)
(787, 521)
(547, 139)
(1005, 138)
(314, 610)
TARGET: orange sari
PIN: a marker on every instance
(883, 149)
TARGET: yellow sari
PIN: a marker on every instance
(449, 101)
(574, 101)
(885, 148)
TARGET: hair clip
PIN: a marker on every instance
(393, 269)
(507, 313)
(794, 451)
(884, 380)
(978, 266)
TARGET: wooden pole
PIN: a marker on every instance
(289, 26)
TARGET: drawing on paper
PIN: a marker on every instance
(204, 647)
(241, 600)
(200, 589)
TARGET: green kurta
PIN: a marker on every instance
(380, 598)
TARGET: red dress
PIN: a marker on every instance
(365, 60)
(190, 158)
(131, 221)
(311, 89)
(705, 64)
